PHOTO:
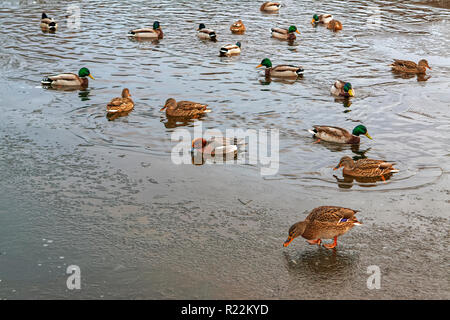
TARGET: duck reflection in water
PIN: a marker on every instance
(116, 115)
(267, 80)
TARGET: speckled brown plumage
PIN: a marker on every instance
(121, 104)
(186, 109)
(365, 167)
(334, 25)
(406, 66)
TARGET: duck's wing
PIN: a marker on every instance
(189, 105)
(332, 214)
(64, 76)
(330, 133)
(404, 63)
(286, 67)
(280, 30)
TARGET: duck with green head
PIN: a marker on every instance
(69, 79)
(342, 89)
(321, 19)
(339, 135)
(285, 34)
(230, 50)
(206, 34)
(281, 71)
(150, 33)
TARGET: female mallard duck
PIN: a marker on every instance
(206, 34)
(69, 79)
(230, 50)
(365, 168)
(270, 7)
(339, 135)
(238, 27)
(282, 71)
(185, 109)
(154, 33)
(334, 25)
(123, 104)
(48, 24)
(325, 222)
(285, 34)
(342, 89)
(406, 66)
(322, 19)
(216, 146)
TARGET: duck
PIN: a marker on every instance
(334, 25)
(69, 79)
(238, 27)
(154, 33)
(366, 168)
(282, 71)
(271, 7)
(185, 109)
(230, 50)
(285, 34)
(47, 23)
(216, 146)
(121, 104)
(406, 66)
(342, 89)
(322, 19)
(325, 222)
(339, 135)
(206, 34)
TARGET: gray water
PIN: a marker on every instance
(78, 189)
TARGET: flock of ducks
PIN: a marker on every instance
(326, 222)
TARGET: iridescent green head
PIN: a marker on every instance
(156, 25)
(360, 129)
(266, 63)
(84, 72)
(316, 18)
(293, 29)
(238, 44)
(347, 86)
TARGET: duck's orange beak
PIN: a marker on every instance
(337, 167)
(90, 76)
(259, 65)
(297, 31)
(163, 108)
(288, 241)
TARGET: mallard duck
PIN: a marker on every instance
(334, 25)
(206, 34)
(231, 49)
(155, 32)
(186, 109)
(123, 104)
(47, 23)
(326, 222)
(339, 135)
(323, 19)
(216, 146)
(365, 168)
(406, 66)
(238, 27)
(342, 89)
(69, 79)
(270, 7)
(285, 34)
(283, 71)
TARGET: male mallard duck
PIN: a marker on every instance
(47, 23)
(270, 7)
(325, 222)
(339, 135)
(406, 66)
(238, 27)
(285, 34)
(230, 49)
(342, 89)
(155, 32)
(123, 104)
(323, 19)
(334, 25)
(216, 146)
(206, 34)
(186, 109)
(69, 79)
(286, 71)
(366, 168)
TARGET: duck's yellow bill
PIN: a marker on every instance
(335, 168)
(297, 31)
(259, 65)
(90, 76)
(351, 93)
(313, 21)
(368, 136)
(288, 241)
(163, 108)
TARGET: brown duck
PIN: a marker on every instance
(186, 109)
(121, 104)
(238, 27)
(334, 25)
(366, 168)
(326, 222)
(405, 66)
